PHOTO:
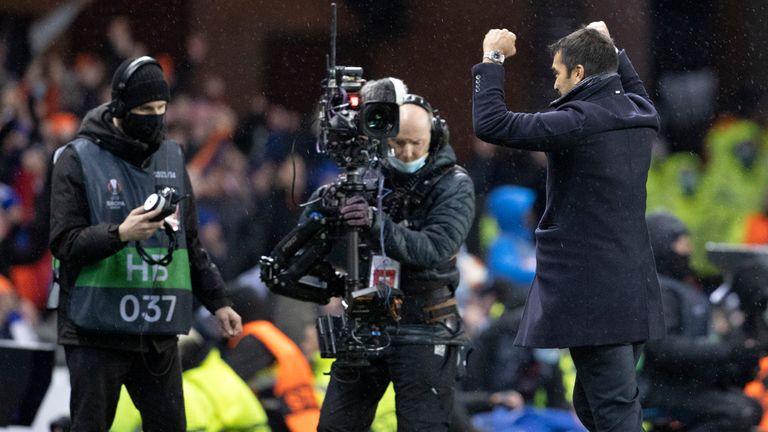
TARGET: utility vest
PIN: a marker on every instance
(123, 293)
(294, 383)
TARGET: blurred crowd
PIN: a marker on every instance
(251, 171)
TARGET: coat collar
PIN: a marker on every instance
(589, 86)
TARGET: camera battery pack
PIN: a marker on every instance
(329, 328)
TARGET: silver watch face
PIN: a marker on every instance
(495, 56)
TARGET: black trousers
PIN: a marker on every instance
(424, 379)
(153, 379)
(606, 397)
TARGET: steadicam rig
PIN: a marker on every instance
(356, 118)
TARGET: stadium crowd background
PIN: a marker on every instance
(245, 76)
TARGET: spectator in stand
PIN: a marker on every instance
(512, 255)
(13, 321)
(195, 55)
(688, 376)
(756, 229)
(251, 132)
(121, 43)
(90, 74)
(493, 166)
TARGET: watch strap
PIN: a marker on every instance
(494, 56)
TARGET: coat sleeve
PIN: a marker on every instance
(444, 230)
(72, 237)
(207, 284)
(493, 123)
(629, 78)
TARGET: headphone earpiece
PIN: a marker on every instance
(439, 133)
(116, 108)
(439, 130)
(117, 105)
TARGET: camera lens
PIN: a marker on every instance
(152, 201)
(381, 120)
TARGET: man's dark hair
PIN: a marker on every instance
(589, 48)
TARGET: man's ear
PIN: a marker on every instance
(578, 72)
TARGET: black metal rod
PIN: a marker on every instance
(333, 37)
(353, 259)
(353, 185)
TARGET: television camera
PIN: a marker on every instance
(355, 120)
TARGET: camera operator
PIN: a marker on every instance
(121, 307)
(595, 290)
(690, 376)
(425, 219)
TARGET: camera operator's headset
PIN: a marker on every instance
(117, 105)
(439, 130)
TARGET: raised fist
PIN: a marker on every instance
(501, 40)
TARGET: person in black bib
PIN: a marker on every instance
(128, 268)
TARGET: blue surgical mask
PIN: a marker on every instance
(407, 167)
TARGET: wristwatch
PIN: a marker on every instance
(494, 56)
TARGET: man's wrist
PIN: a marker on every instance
(114, 230)
(494, 56)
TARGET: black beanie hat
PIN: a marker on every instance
(146, 84)
(664, 229)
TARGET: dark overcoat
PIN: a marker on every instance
(596, 280)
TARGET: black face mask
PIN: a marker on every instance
(676, 266)
(148, 129)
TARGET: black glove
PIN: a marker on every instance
(357, 213)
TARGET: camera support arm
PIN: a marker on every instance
(296, 267)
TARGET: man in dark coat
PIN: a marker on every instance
(120, 309)
(596, 289)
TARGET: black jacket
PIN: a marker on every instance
(76, 243)
(496, 365)
(595, 281)
(424, 226)
(686, 356)
(426, 217)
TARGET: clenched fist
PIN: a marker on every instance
(501, 40)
